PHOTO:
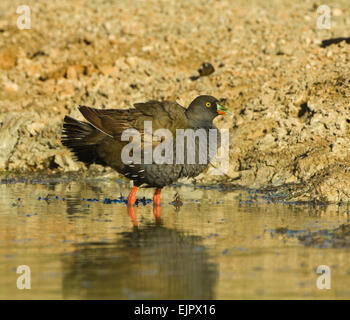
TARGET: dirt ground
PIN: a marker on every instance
(287, 89)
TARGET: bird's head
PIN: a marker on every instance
(206, 108)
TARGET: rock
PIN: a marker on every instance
(64, 161)
(9, 137)
(108, 70)
(71, 72)
(11, 87)
(337, 12)
(8, 59)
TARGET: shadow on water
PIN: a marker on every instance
(151, 262)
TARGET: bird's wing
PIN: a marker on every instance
(110, 121)
(164, 115)
(113, 122)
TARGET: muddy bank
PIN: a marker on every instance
(288, 93)
(325, 238)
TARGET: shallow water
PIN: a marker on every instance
(80, 241)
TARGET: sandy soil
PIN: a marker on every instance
(289, 94)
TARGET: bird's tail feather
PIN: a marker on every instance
(80, 138)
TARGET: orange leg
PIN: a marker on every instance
(156, 197)
(132, 196)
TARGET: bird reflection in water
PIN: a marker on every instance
(148, 262)
(132, 214)
(177, 203)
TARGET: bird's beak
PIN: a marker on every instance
(222, 110)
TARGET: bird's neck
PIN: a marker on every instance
(193, 123)
(195, 120)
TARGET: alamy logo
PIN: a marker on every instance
(201, 147)
(324, 280)
(23, 281)
(23, 21)
(324, 18)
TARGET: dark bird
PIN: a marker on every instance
(100, 140)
